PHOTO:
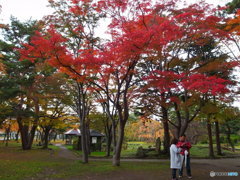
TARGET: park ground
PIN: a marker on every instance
(59, 162)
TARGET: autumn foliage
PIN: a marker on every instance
(233, 24)
(154, 46)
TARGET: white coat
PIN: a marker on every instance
(175, 157)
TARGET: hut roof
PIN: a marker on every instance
(95, 133)
(73, 132)
(77, 132)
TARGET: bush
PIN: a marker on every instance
(235, 138)
(75, 143)
(104, 146)
(203, 142)
(222, 139)
(203, 139)
(140, 152)
(125, 145)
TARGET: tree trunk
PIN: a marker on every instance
(229, 138)
(39, 138)
(23, 128)
(17, 136)
(46, 138)
(82, 110)
(31, 137)
(210, 141)
(109, 142)
(166, 141)
(88, 139)
(79, 144)
(23, 132)
(26, 137)
(195, 139)
(183, 128)
(7, 135)
(108, 132)
(158, 145)
(55, 137)
(179, 120)
(217, 134)
(117, 153)
(42, 137)
(114, 136)
(84, 142)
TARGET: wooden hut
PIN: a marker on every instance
(95, 139)
(70, 134)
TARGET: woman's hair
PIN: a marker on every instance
(174, 141)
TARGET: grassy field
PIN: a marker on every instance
(38, 164)
(197, 151)
(16, 164)
(201, 151)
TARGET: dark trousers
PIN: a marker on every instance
(188, 167)
(174, 173)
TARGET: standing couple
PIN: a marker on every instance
(180, 157)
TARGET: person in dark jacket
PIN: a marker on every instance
(185, 155)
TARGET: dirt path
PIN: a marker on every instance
(200, 171)
(225, 163)
(65, 153)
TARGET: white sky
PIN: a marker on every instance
(23, 9)
(36, 9)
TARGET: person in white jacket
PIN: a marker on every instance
(176, 161)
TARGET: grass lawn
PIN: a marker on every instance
(197, 151)
(16, 164)
(102, 167)
(237, 147)
(129, 152)
(201, 151)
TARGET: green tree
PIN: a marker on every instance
(230, 123)
(54, 103)
(77, 21)
(18, 79)
(233, 6)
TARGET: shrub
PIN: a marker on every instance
(140, 152)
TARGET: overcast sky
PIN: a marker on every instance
(23, 9)
(36, 9)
